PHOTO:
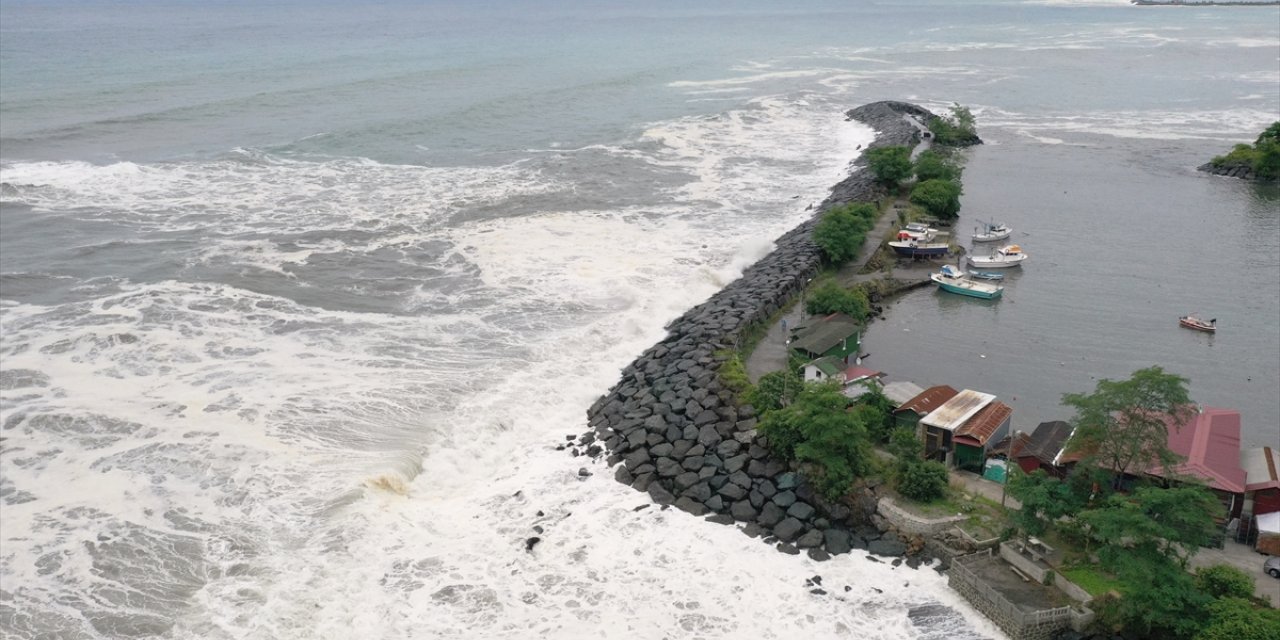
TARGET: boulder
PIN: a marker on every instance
(771, 514)
(784, 499)
(743, 511)
(685, 503)
(660, 495)
(788, 529)
(811, 539)
(800, 511)
(837, 541)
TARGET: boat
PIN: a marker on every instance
(1002, 258)
(953, 280)
(986, 275)
(992, 232)
(917, 249)
(1191, 322)
(917, 231)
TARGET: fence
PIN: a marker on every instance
(1007, 609)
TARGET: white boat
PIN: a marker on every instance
(1002, 258)
(953, 280)
(991, 232)
(917, 231)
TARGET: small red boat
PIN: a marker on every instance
(1192, 322)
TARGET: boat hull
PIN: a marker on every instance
(916, 250)
(992, 237)
(982, 275)
(971, 289)
(1197, 325)
(997, 263)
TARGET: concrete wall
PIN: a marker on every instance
(911, 523)
(1037, 570)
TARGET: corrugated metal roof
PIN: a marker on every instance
(901, 392)
(929, 399)
(1261, 468)
(825, 334)
(1047, 441)
(984, 423)
(957, 410)
(1210, 444)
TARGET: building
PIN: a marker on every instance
(1262, 480)
(909, 413)
(854, 380)
(1209, 445)
(835, 335)
(901, 392)
(973, 438)
(1042, 449)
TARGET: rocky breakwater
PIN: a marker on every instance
(678, 433)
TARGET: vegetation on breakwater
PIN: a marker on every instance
(1260, 161)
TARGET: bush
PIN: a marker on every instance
(932, 166)
(941, 198)
(830, 297)
(816, 430)
(775, 390)
(1238, 619)
(734, 375)
(924, 481)
(877, 413)
(842, 230)
(891, 165)
(958, 129)
(1263, 157)
(1223, 581)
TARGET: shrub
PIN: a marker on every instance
(841, 231)
(1238, 619)
(891, 165)
(924, 481)
(734, 375)
(932, 166)
(830, 297)
(1263, 157)
(1224, 581)
(775, 390)
(957, 129)
(815, 429)
(941, 198)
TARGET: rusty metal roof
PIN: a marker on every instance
(984, 423)
(957, 410)
(929, 399)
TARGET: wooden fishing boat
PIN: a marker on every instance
(952, 279)
(992, 232)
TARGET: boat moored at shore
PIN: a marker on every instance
(1002, 258)
(953, 280)
(992, 232)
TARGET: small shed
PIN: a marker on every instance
(1268, 525)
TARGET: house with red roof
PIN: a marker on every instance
(956, 427)
(1208, 444)
(1262, 480)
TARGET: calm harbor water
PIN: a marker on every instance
(297, 298)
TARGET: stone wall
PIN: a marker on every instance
(1017, 624)
(907, 522)
(679, 433)
(1230, 171)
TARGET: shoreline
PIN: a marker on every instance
(680, 434)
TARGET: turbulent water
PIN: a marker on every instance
(298, 298)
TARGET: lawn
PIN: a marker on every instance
(1091, 578)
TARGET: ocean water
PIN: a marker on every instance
(297, 299)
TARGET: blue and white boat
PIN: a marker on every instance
(953, 280)
(986, 275)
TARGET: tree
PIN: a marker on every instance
(1121, 425)
(876, 411)
(1224, 581)
(959, 128)
(1239, 619)
(816, 430)
(1043, 499)
(841, 231)
(1170, 523)
(775, 390)
(1160, 600)
(932, 166)
(830, 297)
(941, 198)
(890, 165)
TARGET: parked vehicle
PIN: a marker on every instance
(1272, 567)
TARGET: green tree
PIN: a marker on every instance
(841, 231)
(1224, 581)
(1160, 600)
(958, 128)
(775, 390)
(876, 411)
(830, 297)
(1121, 425)
(817, 431)
(941, 198)
(1170, 523)
(906, 448)
(1239, 619)
(1044, 499)
(890, 165)
(931, 165)
(924, 481)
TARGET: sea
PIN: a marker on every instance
(300, 301)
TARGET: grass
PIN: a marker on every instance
(1091, 578)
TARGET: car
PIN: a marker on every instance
(1272, 567)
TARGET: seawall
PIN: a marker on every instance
(676, 432)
